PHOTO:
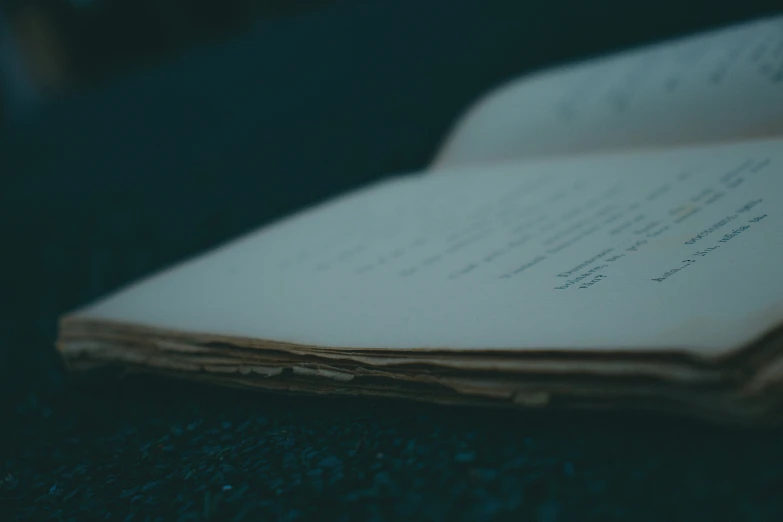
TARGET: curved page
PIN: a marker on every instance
(722, 86)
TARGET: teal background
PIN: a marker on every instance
(107, 184)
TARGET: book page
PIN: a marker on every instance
(725, 85)
(648, 251)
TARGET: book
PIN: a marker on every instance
(602, 235)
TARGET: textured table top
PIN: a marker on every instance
(108, 185)
(156, 449)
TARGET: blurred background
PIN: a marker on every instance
(136, 133)
(53, 45)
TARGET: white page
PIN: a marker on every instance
(549, 255)
(720, 86)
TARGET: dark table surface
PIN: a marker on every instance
(109, 184)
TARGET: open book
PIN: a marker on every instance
(608, 234)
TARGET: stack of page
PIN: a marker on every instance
(606, 235)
